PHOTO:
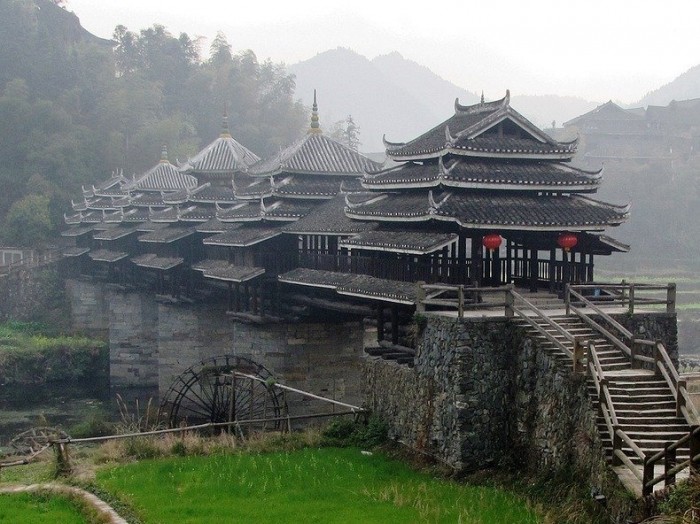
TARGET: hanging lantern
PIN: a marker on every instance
(492, 241)
(566, 241)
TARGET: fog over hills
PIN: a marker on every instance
(390, 95)
(684, 87)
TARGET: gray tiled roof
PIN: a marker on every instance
(216, 226)
(300, 186)
(166, 235)
(223, 156)
(316, 153)
(233, 273)
(243, 236)
(362, 286)
(249, 188)
(152, 261)
(381, 289)
(105, 255)
(316, 278)
(328, 219)
(416, 242)
(476, 173)
(468, 131)
(506, 211)
(114, 233)
(210, 264)
(75, 251)
(162, 177)
(76, 231)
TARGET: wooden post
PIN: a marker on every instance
(533, 270)
(552, 269)
(509, 261)
(63, 466)
(617, 445)
(694, 449)
(671, 298)
(380, 323)
(631, 303)
(496, 277)
(420, 297)
(460, 301)
(647, 476)
(395, 324)
(578, 356)
(669, 464)
(680, 399)
(567, 299)
(657, 359)
(510, 302)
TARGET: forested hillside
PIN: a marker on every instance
(74, 107)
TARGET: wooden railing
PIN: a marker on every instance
(627, 295)
(662, 365)
(576, 355)
(43, 258)
(462, 297)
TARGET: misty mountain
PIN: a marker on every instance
(350, 84)
(684, 87)
(393, 96)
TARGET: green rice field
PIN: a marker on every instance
(326, 485)
(38, 509)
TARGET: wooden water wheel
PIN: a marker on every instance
(226, 388)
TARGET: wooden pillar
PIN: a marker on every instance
(589, 277)
(533, 270)
(246, 297)
(566, 277)
(552, 269)
(395, 324)
(496, 277)
(254, 297)
(238, 296)
(380, 323)
(477, 260)
(509, 261)
(462, 257)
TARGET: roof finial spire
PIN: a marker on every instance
(482, 96)
(315, 127)
(225, 131)
(164, 155)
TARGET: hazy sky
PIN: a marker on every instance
(596, 49)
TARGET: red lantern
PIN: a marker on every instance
(492, 241)
(567, 240)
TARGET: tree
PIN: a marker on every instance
(347, 132)
(28, 222)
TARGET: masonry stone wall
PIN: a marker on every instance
(482, 393)
(89, 309)
(454, 403)
(152, 342)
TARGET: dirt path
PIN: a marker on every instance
(100, 506)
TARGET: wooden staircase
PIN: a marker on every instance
(643, 403)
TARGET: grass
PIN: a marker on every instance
(31, 353)
(39, 509)
(326, 485)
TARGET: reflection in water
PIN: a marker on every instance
(62, 405)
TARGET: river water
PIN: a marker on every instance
(61, 405)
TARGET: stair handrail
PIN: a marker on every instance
(607, 408)
(598, 327)
(587, 303)
(684, 404)
(540, 314)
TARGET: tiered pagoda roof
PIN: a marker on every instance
(488, 129)
(486, 167)
(221, 158)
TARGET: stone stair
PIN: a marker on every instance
(643, 402)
